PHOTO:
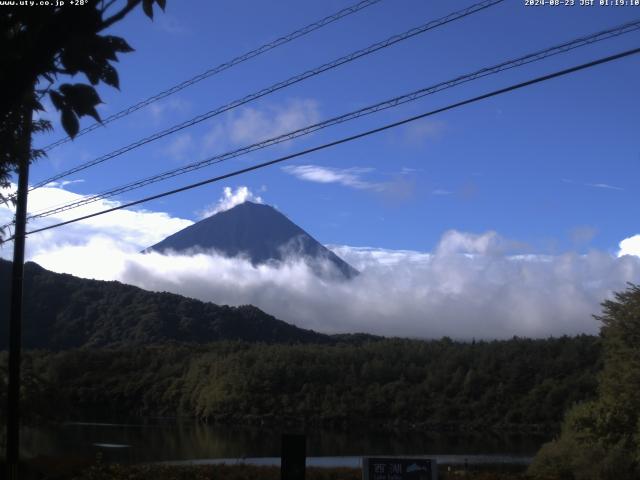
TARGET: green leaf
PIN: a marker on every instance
(162, 3)
(147, 6)
(75, 55)
(70, 122)
(79, 92)
(41, 125)
(92, 112)
(110, 76)
(118, 44)
(93, 73)
(56, 99)
(82, 99)
(103, 48)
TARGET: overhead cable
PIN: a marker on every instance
(390, 103)
(334, 143)
(457, 15)
(220, 68)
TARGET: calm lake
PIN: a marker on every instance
(177, 442)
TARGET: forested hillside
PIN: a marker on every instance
(510, 385)
(600, 438)
(62, 311)
(113, 350)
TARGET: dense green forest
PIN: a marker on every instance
(62, 311)
(600, 438)
(519, 384)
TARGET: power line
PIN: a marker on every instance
(220, 68)
(399, 100)
(278, 86)
(349, 138)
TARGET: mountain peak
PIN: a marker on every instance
(258, 232)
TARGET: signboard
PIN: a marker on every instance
(390, 468)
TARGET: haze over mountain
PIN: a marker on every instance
(62, 311)
(258, 232)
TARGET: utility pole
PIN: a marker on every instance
(15, 320)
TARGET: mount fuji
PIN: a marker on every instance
(259, 233)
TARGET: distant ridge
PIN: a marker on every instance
(260, 233)
(62, 311)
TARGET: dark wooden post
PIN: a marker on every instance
(293, 457)
(15, 320)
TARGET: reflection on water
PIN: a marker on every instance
(154, 442)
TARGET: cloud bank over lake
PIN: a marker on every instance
(469, 286)
(462, 295)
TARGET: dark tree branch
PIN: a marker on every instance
(107, 6)
(131, 4)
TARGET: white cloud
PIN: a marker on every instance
(130, 230)
(161, 110)
(181, 147)
(455, 291)
(363, 257)
(170, 24)
(455, 242)
(398, 188)
(230, 199)
(420, 131)
(605, 186)
(249, 125)
(582, 234)
(630, 246)
(63, 183)
(470, 285)
(252, 125)
(348, 177)
(97, 256)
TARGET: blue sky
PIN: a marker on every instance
(554, 166)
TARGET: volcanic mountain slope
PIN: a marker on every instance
(260, 233)
(62, 311)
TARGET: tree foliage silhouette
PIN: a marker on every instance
(600, 439)
(39, 44)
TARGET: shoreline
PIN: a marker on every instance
(73, 468)
(353, 461)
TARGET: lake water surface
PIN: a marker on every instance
(177, 442)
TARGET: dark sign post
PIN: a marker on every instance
(293, 457)
(389, 468)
